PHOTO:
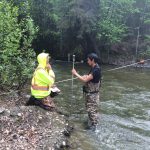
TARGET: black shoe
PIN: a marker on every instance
(92, 128)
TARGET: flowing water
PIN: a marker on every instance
(124, 112)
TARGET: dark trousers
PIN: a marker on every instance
(37, 102)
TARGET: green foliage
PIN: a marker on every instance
(16, 54)
(43, 15)
(43, 12)
(90, 25)
(111, 25)
(77, 22)
(145, 54)
(82, 26)
(147, 37)
(66, 26)
(111, 32)
(146, 13)
(93, 24)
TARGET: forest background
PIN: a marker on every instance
(114, 29)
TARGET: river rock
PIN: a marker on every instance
(2, 110)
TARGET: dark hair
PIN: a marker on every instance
(94, 56)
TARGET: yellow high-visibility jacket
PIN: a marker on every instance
(43, 79)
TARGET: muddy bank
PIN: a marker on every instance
(31, 127)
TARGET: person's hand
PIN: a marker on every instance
(48, 66)
(74, 72)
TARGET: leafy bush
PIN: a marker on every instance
(145, 54)
(16, 54)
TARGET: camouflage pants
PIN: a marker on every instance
(92, 103)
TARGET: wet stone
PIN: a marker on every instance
(19, 114)
(2, 110)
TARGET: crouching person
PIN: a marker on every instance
(42, 84)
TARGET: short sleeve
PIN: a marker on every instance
(96, 75)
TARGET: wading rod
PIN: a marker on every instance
(72, 85)
(73, 68)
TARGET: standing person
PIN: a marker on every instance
(91, 88)
(42, 84)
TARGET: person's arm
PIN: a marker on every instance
(84, 78)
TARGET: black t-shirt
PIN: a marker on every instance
(96, 72)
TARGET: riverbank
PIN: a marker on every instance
(30, 127)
